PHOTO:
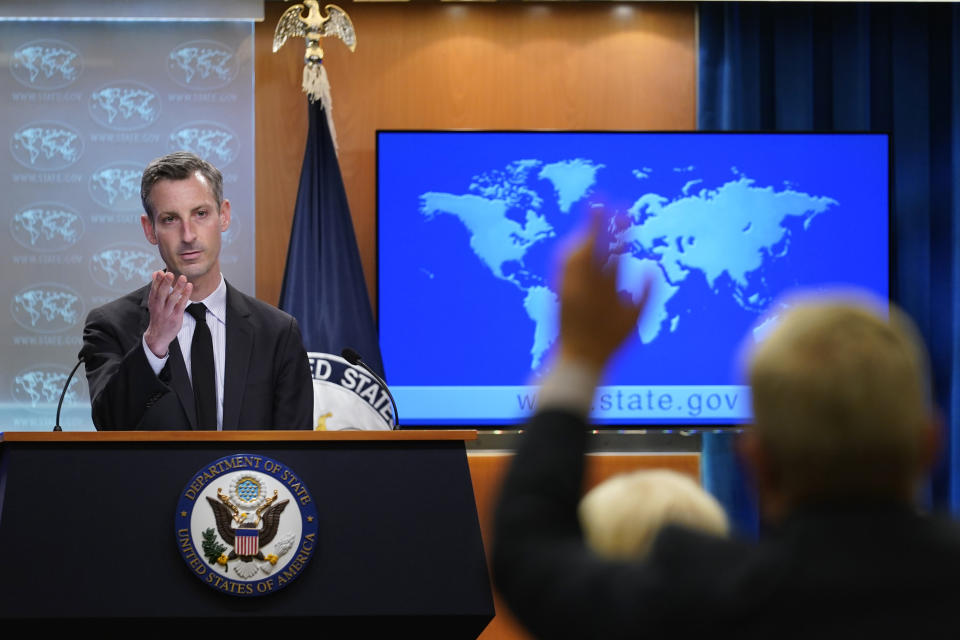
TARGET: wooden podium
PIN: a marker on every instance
(87, 531)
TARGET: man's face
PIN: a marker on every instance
(187, 227)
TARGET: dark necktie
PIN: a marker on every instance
(201, 364)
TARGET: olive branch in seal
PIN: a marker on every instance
(211, 548)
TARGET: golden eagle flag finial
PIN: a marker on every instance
(314, 27)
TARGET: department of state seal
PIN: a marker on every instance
(246, 525)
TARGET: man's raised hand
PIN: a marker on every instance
(166, 302)
(595, 316)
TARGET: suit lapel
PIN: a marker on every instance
(240, 337)
(180, 382)
(179, 379)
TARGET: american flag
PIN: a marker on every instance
(247, 542)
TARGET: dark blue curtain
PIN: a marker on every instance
(857, 67)
(323, 284)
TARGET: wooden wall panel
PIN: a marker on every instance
(569, 65)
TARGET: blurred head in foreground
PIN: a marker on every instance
(841, 405)
(621, 516)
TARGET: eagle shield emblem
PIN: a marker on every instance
(246, 525)
(247, 542)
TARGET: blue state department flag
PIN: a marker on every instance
(323, 285)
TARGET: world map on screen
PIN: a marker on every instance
(731, 232)
(473, 226)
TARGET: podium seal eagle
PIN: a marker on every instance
(246, 525)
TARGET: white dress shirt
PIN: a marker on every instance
(570, 385)
(216, 304)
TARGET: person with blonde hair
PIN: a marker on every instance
(622, 515)
(841, 403)
(844, 432)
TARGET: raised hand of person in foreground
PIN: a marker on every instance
(595, 315)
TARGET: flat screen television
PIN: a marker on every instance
(470, 224)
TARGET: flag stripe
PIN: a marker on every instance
(247, 542)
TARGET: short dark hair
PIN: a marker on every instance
(179, 165)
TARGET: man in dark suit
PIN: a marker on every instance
(843, 436)
(231, 362)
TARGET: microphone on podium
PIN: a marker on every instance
(66, 386)
(354, 358)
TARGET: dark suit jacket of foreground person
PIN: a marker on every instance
(836, 571)
(267, 381)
